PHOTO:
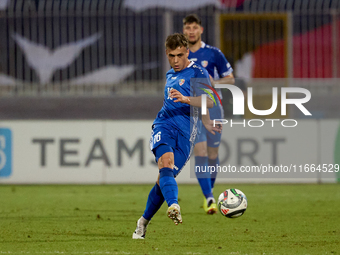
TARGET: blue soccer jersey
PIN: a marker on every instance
(212, 59)
(179, 115)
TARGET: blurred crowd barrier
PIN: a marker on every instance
(102, 48)
(118, 151)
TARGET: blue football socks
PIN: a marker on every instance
(168, 185)
(215, 163)
(155, 201)
(203, 175)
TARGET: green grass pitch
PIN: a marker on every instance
(71, 219)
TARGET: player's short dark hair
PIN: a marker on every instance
(192, 18)
(176, 40)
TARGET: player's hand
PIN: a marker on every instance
(174, 93)
(212, 81)
(209, 125)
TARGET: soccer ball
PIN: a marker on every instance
(232, 203)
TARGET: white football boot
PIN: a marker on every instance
(142, 224)
(174, 213)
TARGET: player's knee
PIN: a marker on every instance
(200, 152)
(166, 160)
(213, 153)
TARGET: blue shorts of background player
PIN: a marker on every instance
(212, 140)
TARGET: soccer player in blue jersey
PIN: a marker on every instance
(220, 71)
(175, 128)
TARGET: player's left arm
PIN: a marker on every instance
(229, 79)
(225, 71)
(193, 101)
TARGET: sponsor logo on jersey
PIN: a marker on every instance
(173, 78)
(181, 82)
(204, 63)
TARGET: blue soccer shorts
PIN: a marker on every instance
(166, 139)
(206, 136)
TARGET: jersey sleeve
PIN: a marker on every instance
(223, 66)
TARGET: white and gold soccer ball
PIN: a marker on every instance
(232, 203)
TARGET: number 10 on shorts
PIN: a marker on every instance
(157, 137)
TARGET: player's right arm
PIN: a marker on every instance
(209, 124)
(196, 102)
